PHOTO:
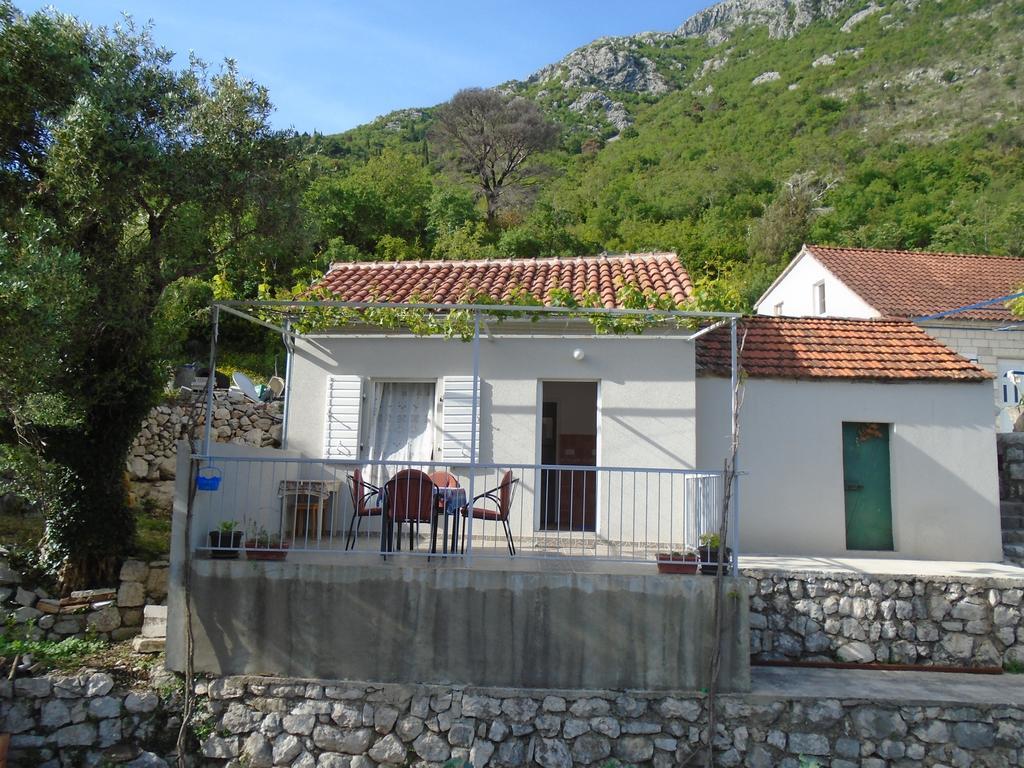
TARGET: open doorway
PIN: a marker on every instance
(568, 439)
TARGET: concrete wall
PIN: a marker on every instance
(794, 289)
(396, 623)
(996, 351)
(646, 398)
(943, 459)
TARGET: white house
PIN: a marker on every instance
(857, 437)
(826, 281)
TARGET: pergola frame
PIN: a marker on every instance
(290, 309)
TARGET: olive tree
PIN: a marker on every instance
(494, 140)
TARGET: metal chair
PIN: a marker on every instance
(361, 492)
(444, 479)
(409, 498)
(501, 497)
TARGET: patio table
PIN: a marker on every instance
(447, 502)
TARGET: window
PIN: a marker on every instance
(777, 309)
(819, 298)
(401, 423)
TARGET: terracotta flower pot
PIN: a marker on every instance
(254, 552)
(674, 562)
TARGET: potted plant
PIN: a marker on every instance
(225, 541)
(678, 562)
(265, 546)
(710, 546)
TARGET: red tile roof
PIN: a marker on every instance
(826, 348)
(917, 284)
(450, 282)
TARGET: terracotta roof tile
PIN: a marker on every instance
(449, 282)
(809, 348)
(917, 284)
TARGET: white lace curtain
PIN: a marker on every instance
(401, 424)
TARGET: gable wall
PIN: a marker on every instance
(795, 292)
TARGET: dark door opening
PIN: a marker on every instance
(568, 439)
(867, 488)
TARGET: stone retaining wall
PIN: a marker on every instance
(113, 614)
(259, 722)
(85, 719)
(900, 620)
(235, 420)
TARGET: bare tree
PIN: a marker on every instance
(492, 138)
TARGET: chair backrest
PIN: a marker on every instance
(444, 479)
(410, 495)
(360, 491)
(506, 492)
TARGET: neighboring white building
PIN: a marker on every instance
(826, 281)
(857, 437)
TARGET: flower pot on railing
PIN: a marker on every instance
(710, 551)
(678, 562)
(225, 544)
(264, 546)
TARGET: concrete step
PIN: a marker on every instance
(1013, 536)
(1011, 507)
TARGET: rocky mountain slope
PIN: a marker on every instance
(758, 123)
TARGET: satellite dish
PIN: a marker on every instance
(244, 383)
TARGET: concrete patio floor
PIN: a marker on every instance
(927, 688)
(880, 566)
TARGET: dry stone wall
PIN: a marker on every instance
(235, 420)
(86, 719)
(255, 722)
(899, 620)
(259, 722)
(113, 613)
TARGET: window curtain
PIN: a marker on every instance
(401, 425)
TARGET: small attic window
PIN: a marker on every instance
(818, 293)
(777, 309)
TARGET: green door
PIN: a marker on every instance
(866, 482)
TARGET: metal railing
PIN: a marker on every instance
(282, 505)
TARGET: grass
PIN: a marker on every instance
(21, 530)
(21, 533)
(152, 531)
(65, 654)
(1014, 667)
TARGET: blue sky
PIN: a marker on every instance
(333, 65)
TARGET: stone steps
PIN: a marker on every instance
(1013, 536)
(1014, 552)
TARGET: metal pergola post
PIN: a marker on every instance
(289, 348)
(734, 445)
(211, 381)
(474, 434)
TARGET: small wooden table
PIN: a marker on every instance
(309, 497)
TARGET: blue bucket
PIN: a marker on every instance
(208, 479)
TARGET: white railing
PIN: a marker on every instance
(483, 510)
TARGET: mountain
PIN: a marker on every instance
(758, 124)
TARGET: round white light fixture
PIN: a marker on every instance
(577, 354)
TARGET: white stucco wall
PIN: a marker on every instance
(942, 452)
(646, 397)
(794, 289)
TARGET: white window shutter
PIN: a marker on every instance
(457, 418)
(341, 430)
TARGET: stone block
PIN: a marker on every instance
(131, 594)
(154, 623)
(134, 570)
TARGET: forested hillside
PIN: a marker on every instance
(751, 129)
(133, 191)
